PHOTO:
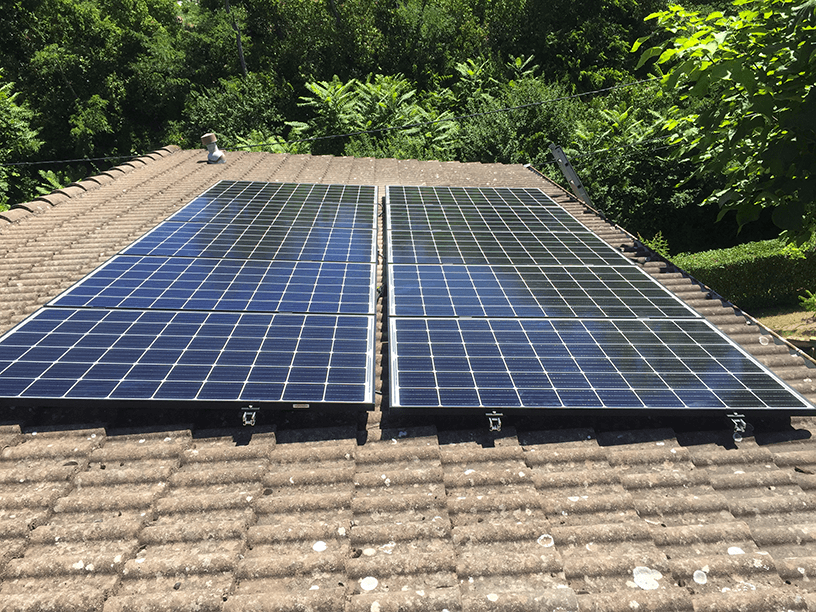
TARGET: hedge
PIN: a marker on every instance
(756, 274)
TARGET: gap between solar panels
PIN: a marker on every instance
(499, 301)
(253, 295)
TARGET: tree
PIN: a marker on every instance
(756, 70)
(17, 140)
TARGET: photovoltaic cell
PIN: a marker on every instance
(294, 243)
(63, 354)
(501, 248)
(283, 204)
(576, 365)
(529, 291)
(254, 292)
(178, 283)
(500, 299)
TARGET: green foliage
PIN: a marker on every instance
(518, 136)
(233, 109)
(18, 141)
(808, 301)
(760, 131)
(754, 275)
(658, 244)
(51, 181)
(363, 112)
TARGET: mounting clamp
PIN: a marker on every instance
(248, 415)
(494, 421)
(740, 425)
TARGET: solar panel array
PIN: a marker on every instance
(500, 299)
(252, 293)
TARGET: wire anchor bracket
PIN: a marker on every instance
(740, 425)
(494, 422)
(248, 416)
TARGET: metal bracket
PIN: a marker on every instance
(740, 425)
(494, 421)
(248, 416)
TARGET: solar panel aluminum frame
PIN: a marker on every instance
(395, 405)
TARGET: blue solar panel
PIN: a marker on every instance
(62, 354)
(294, 243)
(282, 204)
(256, 292)
(521, 248)
(528, 291)
(576, 365)
(499, 299)
(177, 283)
(420, 209)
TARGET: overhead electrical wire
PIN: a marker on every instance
(69, 161)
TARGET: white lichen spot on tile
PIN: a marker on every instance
(493, 597)
(700, 577)
(319, 546)
(388, 548)
(369, 583)
(646, 578)
(546, 540)
(735, 550)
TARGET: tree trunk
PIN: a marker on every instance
(237, 38)
(335, 13)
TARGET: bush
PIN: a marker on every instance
(756, 274)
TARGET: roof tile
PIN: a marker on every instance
(199, 557)
(272, 596)
(662, 600)
(171, 601)
(87, 599)
(71, 558)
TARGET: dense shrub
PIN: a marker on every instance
(755, 275)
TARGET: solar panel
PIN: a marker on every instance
(497, 248)
(317, 243)
(499, 299)
(67, 355)
(528, 291)
(577, 365)
(254, 292)
(186, 283)
(253, 203)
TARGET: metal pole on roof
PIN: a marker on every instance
(570, 174)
